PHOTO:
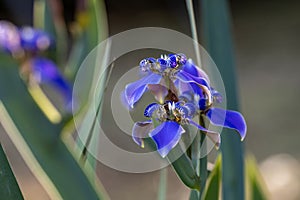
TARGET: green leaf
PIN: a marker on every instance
(213, 185)
(255, 184)
(8, 185)
(218, 41)
(184, 168)
(182, 165)
(39, 141)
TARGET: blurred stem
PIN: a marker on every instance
(162, 189)
(190, 9)
(200, 163)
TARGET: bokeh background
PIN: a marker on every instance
(267, 46)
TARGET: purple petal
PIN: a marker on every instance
(166, 136)
(159, 92)
(188, 78)
(214, 136)
(141, 130)
(34, 39)
(9, 37)
(45, 71)
(228, 119)
(193, 70)
(134, 91)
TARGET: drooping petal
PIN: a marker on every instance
(134, 91)
(159, 91)
(214, 136)
(188, 78)
(233, 120)
(193, 70)
(166, 136)
(141, 130)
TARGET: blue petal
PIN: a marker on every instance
(45, 71)
(150, 109)
(214, 136)
(134, 91)
(193, 70)
(233, 120)
(141, 130)
(188, 78)
(34, 39)
(166, 136)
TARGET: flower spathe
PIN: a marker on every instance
(183, 91)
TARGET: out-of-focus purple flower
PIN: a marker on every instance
(174, 68)
(34, 39)
(167, 134)
(44, 71)
(9, 37)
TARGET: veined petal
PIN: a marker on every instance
(141, 130)
(193, 70)
(159, 92)
(214, 136)
(166, 136)
(233, 120)
(188, 78)
(134, 91)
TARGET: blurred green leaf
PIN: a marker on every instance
(218, 41)
(213, 185)
(8, 185)
(41, 139)
(255, 184)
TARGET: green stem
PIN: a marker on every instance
(203, 160)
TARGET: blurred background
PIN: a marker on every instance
(267, 47)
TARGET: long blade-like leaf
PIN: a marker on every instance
(218, 42)
(41, 138)
(212, 190)
(8, 185)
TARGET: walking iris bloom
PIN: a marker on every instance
(29, 42)
(15, 40)
(183, 92)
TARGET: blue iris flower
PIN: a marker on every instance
(44, 71)
(170, 116)
(14, 40)
(34, 39)
(9, 37)
(183, 92)
(174, 68)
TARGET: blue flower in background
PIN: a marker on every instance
(9, 37)
(14, 40)
(183, 92)
(44, 71)
(34, 39)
